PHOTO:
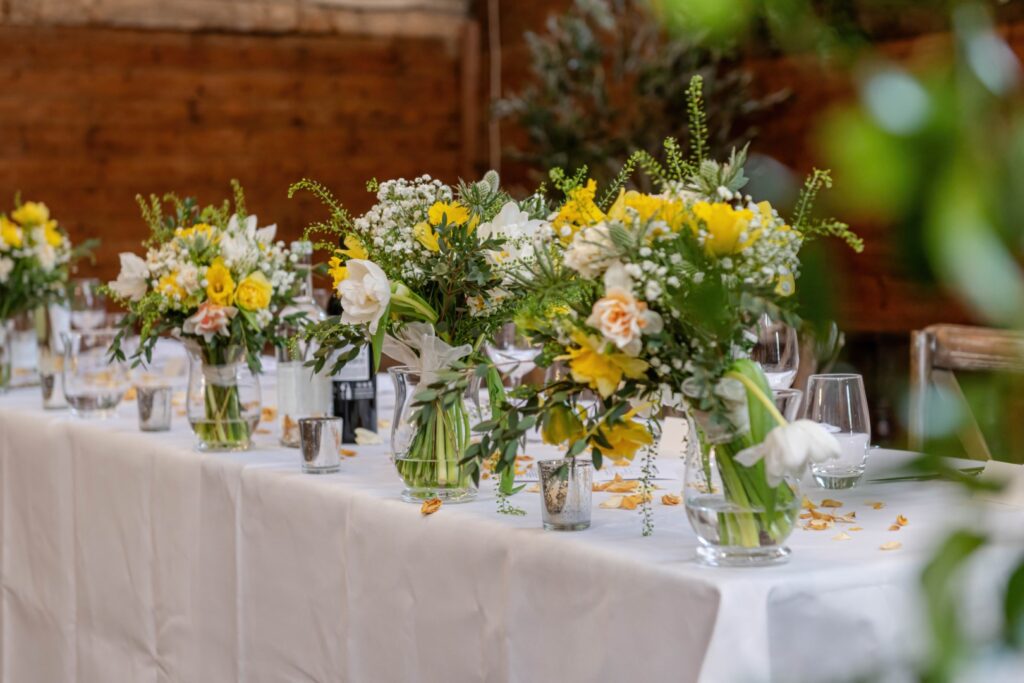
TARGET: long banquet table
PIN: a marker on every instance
(130, 557)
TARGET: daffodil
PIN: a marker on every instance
(648, 208)
(451, 213)
(354, 249)
(204, 230)
(579, 211)
(51, 234)
(728, 229)
(220, 287)
(561, 425)
(337, 270)
(598, 365)
(10, 233)
(426, 236)
(31, 214)
(254, 292)
(626, 438)
(168, 285)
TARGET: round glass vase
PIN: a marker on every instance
(427, 449)
(740, 520)
(223, 403)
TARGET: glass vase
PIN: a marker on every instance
(301, 392)
(566, 491)
(740, 520)
(22, 344)
(93, 384)
(223, 403)
(5, 356)
(428, 450)
(51, 323)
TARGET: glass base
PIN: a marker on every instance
(721, 556)
(836, 481)
(223, 446)
(578, 526)
(321, 470)
(94, 414)
(447, 495)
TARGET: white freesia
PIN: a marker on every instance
(264, 236)
(516, 228)
(365, 294)
(6, 266)
(132, 281)
(590, 251)
(788, 448)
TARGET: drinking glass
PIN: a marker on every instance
(512, 353)
(777, 350)
(838, 402)
(788, 402)
(88, 305)
(93, 383)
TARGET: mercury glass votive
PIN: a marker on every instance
(154, 407)
(566, 491)
(320, 442)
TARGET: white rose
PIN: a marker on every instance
(132, 281)
(590, 251)
(364, 294)
(6, 266)
(787, 449)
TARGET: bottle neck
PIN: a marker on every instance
(304, 275)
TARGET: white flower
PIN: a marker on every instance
(131, 282)
(590, 251)
(364, 294)
(47, 256)
(787, 449)
(209, 321)
(517, 230)
(6, 266)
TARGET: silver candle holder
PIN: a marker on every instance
(566, 487)
(320, 441)
(154, 407)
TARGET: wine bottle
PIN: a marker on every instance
(355, 390)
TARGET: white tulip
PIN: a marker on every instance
(788, 448)
(132, 281)
(365, 294)
(516, 228)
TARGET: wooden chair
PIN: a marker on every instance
(939, 350)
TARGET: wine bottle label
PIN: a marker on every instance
(357, 369)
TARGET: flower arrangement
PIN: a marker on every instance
(426, 276)
(35, 259)
(674, 282)
(214, 279)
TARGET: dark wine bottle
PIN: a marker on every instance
(355, 390)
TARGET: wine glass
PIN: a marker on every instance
(839, 403)
(88, 304)
(513, 354)
(777, 350)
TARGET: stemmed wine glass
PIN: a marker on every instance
(88, 304)
(513, 354)
(777, 350)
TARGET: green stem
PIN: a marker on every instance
(755, 390)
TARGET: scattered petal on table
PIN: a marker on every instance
(612, 503)
(877, 505)
(856, 528)
(843, 536)
(891, 545)
(807, 504)
(895, 527)
(347, 452)
(901, 520)
(364, 437)
(831, 503)
(431, 506)
(533, 488)
(671, 499)
(819, 524)
(130, 394)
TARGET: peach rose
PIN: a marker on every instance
(209, 321)
(622, 319)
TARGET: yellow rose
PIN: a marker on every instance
(599, 369)
(625, 438)
(451, 213)
(426, 236)
(52, 235)
(10, 233)
(254, 292)
(579, 211)
(31, 213)
(168, 286)
(220, 288)
(727, 227)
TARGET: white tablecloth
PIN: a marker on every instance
(128, 557)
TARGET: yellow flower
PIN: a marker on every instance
(353, 248)
(220, 287)
(649, 207)
(31, 213)
(10, 233)
(254, 292)
(579, 211)
(626, 438)
(168, 286)
(451, 213)
(51, 234)
(599, 369)
(785, 285)
(426, 236)
(337, 270)
(560, 425)
(196, 231)
(725, 226)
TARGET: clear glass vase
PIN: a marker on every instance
(740, 520)
(5, 356)
(223, 403)
(93, 384)
(51, 323)
(428, 456)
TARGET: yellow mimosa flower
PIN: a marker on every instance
(426, 236)
(337, 270)
(599, 369)
(168, 286)
(220, 287)
(727, 227)
(196, 231)
(31, 213)
(254, 292)
(353, 248)
(626, 438)
(579, 211)
(453, 213)
(11, 233)
(52, 235)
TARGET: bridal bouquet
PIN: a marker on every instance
(426, 276)
(212, 278)
(35, 259)
(676, 282)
